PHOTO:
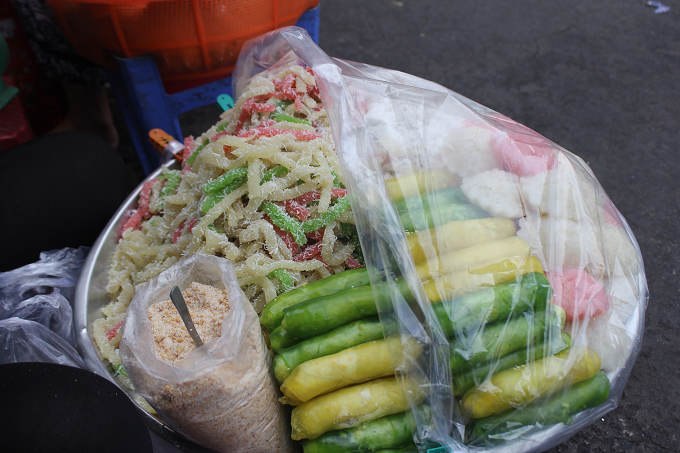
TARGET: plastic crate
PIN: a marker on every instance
(188, 38)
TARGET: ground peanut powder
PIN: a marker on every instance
(207, 306)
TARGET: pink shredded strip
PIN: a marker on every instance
(296, 209)
(313, 90)
(264, 107)
(145, 198)
(316, 235)
(218, 135)
(254, 104)
(352, 263)
(286, 87)
(316, 194)
(189, 146)
(308, 253)
(267, 131)
(134, 222)
(287, 91)
(192, 224)
(316, 256)
(142, 212)
(112, 333)
(286, 237)
(178, 232)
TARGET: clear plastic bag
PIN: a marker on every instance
(50, 310)
(221, 395)
(55, 269)
(494, 247)
(22, 340)
(35, 309)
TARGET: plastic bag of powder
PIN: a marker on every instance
(221, 395)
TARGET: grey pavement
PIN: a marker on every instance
(599, 78)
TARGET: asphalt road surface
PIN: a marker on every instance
(599, 78)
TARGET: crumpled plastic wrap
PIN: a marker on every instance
(52, 311)
(22, 340)
(221, 395)
(36, 318)
(55, 269)
(488, 202)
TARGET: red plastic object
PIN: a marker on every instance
(188, 38)
(14, 128)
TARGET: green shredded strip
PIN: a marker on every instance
(282, 220)
(210, 201)
(226, 179)
(284, 277)
(336, 181)
(290, 119)
(222, 127)
(327, 217)
(274, 173)
(174, 178)
(215, 197)
(120, 370)
(298, 229)
(280, 107)
(194, 155)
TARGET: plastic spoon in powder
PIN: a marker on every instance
(181, 306)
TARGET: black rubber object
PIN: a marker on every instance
(57, 408)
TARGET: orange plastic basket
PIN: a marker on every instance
(189, 38)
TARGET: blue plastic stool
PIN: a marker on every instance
(145, 105)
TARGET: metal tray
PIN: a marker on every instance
(91, 297)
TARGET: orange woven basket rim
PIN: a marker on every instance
(126, 46)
